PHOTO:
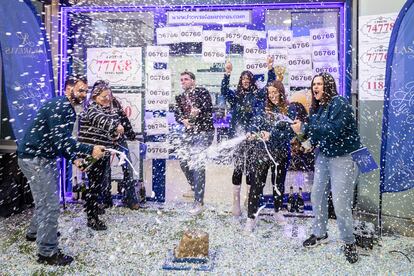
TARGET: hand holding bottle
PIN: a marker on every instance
(98, 152)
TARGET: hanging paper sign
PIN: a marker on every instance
(253, 52)
(250, 37)
(279, 38)
(190, 34)
(372, 86)
(118, 66)
(234, 34)
(214, 37)
(374, 57)
(256, 66)
(279, 56)
(299, 62)
(132, 105)
(168, 35)
(156, 126)
(323, 36)
(325, 53)
(158, 93)
(300, 45)
(158, 54)
(159, 79)
(326, 67)
(157, 103)
(376, 27)
(300, 78)
(156, 150)
(214, 53)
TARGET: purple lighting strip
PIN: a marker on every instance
(64, 23)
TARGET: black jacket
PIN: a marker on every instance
(199, 98)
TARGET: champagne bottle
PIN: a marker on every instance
(300, 202)
(87, 163)
(291, 200)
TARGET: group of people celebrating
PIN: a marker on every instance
(269, 123)
(263, 115)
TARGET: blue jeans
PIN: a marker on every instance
(43, 177)
(193, 166)
(336, 174)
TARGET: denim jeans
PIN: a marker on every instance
(336, 174)
(43, 175)
(193, 166)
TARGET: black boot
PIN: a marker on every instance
(351, 253)
(56, 259)
(96, 224)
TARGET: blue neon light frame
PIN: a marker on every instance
(345, 56)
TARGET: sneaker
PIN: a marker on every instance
(250, 225)
(197, 209)
(56, 259)
(351, 253)
(189, 194)
(279, 218)
(96, 224)
(33, 239)
(314, 241)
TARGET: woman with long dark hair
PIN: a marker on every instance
(271, 135)
(332, 130)
(243, 101)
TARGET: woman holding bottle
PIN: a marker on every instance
(243, 101)
(333, 132)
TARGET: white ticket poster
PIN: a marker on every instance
(300, 78)
(132, 105)
(190, 34)
(157, 103)
(156, 126)
(331, 67)
(280, 56)
(156, 150)
(254, 52)
(300, 45)
(374, 35)
(118, 66)
(167, 35)
(300, 62)
(214, 53)
(325, 53)
(279, 38)
(157, 54)
(256, 66)
(234, 34)
(214, 37)
(157, 79)
(323, 36)
(250, 37)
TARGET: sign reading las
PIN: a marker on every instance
(118, 66)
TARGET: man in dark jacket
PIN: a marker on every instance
(46, 139)
(194, 110)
